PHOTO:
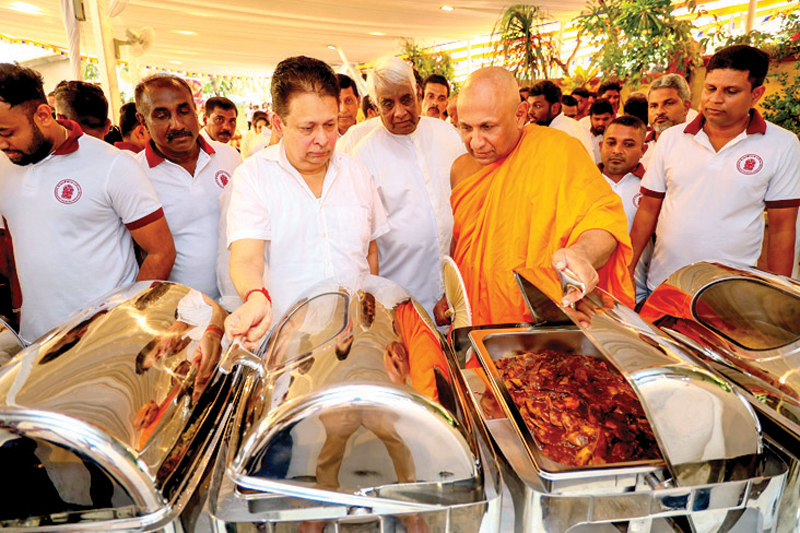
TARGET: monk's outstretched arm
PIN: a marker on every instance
(590, 252)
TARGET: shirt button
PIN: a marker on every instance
(324, 235)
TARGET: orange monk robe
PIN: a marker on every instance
(518, 212)
(424, 350)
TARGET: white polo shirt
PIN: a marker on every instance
(628, 190)
(574, 128)
(309, 239)
(412, 173)
(191, 205)
(713, 201)
(70, 214)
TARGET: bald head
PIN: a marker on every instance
(490, 114)
(496, 82)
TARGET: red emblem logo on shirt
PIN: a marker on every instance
(68, 191)
(637, 199)
(222, 177)
(750, 164)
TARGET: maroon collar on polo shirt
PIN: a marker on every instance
(651, 136)
(154, 159)
(637, 171)
(757, 124)
(71, 144)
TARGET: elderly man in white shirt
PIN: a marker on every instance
(314, 212)
(410, 158)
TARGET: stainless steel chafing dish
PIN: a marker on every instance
(743, 324)
(354, 417)
(107, 423)
(715, 475)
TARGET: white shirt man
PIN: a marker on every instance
(410, 157)
(668, 104)
(268, 198)
(188, 173)
(70, 215)
(621, 151)
(191, 205)
(711, 180)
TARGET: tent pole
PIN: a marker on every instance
(107, 59)
(751, 16)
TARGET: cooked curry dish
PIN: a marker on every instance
(580, 411)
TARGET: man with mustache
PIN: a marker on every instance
(188, 173)
(669, 103)
(73, 203)
(349, 100)
(710, 181)
(219, 119)
(621, 152)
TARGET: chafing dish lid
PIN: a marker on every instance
(743, 323)
(71, 432)
(354, 441)
(360, 401)
(722, 425)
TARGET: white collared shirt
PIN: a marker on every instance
(413, 177)
(713, 201)
(70, 216)
(309, 239)
(191, 205)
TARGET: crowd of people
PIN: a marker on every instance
(503, 179)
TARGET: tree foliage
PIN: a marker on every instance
(637, 37)
(783, 107)
(427, 62)
(523, 48)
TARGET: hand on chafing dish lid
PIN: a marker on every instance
(575, 265)
(250, 321)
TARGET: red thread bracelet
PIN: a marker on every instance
(215, 329)
(262, 290)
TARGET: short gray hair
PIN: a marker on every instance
(672, 81)
(389, 70)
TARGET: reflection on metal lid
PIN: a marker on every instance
(111, 415)
(309, 326)
(749, 313)
(361, 408)
(353, 437)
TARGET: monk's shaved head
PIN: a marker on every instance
(498, 82)
(490, 114)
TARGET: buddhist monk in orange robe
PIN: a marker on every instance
(528, 197)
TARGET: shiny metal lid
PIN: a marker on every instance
(360, 407)
(105, 422)
(742, 323)
(669, 384)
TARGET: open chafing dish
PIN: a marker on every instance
(354, 415)
(743, 324)
(107, 422)
(715, 474)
